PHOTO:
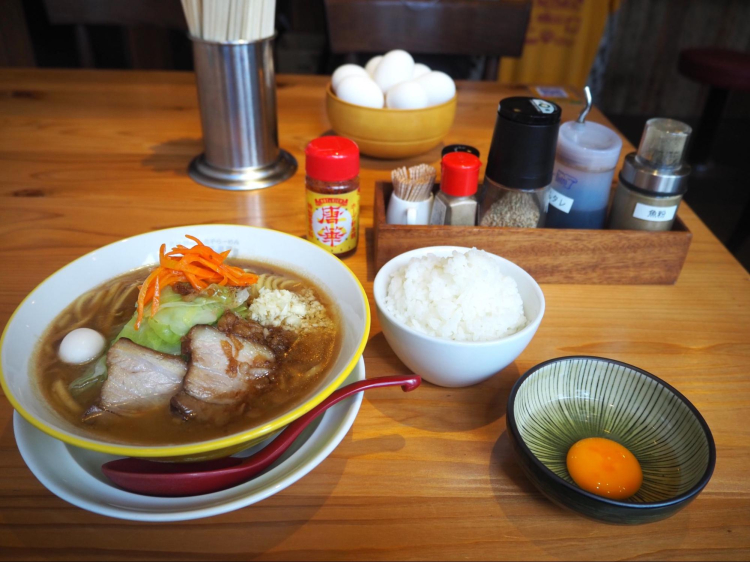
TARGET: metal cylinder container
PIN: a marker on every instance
(652, 180)
(237, 100)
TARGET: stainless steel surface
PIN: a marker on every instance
(237, 99)
(456, 211)
(243, 179)
(623, 214)
(589, 103)
(667, 182)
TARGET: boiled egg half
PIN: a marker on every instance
(81, 346)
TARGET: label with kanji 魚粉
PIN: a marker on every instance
(652, 213)
(333, 220)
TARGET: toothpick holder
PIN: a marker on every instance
(237, 100)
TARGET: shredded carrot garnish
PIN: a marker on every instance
(200, 266)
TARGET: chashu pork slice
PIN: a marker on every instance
(139, 380)
(278, 340)
(224, 370)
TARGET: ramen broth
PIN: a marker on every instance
(110, 306)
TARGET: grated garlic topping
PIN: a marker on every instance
(298, 312)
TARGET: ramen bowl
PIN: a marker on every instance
(390, 133)
(30, 320)
(562, 401)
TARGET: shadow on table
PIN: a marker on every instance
(274, 520)
(563, 534)
(431, 407)
(252, 531)
(173, 156)
(508, 478)
(432, 157)
(370, 257)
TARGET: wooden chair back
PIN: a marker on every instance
(493, 28)
(158, 13)
(146, 25)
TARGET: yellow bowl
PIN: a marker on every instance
(390, 133)
(33, 315)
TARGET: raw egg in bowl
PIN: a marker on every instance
(608, 440)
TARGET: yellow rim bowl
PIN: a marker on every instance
(29, 321)
(390, 133)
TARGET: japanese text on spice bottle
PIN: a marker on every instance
(332, 186)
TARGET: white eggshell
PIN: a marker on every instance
(397, 66)
(81, 346)
(360, 90)
(344, 71)
(372, 64)
(420, 70)
(439, 87)
(406, 95)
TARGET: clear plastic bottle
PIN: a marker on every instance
(520, 162)
(587, 154)
(513, 207)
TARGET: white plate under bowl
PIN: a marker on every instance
(74, 474)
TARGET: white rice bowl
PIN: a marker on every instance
(462, 297)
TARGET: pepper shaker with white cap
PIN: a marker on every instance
(587, 154)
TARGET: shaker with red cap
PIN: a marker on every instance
(332, 185)
(456, 202)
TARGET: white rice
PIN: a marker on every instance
(464, 297)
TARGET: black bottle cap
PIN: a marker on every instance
(522, 153)
(459, 148)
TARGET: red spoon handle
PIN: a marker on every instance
(266, 457)
(185, 479)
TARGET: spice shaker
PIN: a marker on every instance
(456, 202)
(652, 180)
(332, 187)
(587, 154)
(459, 148)
(519, 166)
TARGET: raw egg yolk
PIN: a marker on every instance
(605, 468)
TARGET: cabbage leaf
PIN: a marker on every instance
(164, 331)
(176, 315)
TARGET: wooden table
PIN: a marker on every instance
(87, 158)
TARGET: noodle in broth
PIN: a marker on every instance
(109, 307)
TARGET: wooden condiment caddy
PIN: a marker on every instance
(593, 257)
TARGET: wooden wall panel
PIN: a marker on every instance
(642, 78)
(15, 43)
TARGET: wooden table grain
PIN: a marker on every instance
(89, 157)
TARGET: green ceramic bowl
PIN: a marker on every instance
(561, 401)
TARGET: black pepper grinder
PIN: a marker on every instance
(520, 163)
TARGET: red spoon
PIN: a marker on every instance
(165, 479)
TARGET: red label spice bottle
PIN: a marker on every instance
(332, 185)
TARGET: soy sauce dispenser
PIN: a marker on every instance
(585, 161)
